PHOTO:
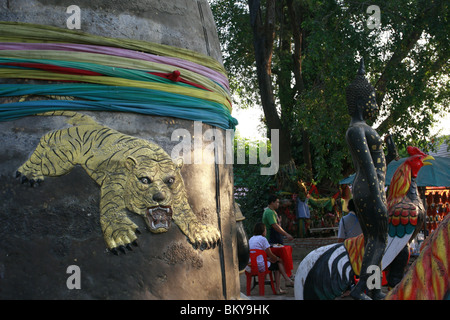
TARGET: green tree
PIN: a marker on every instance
(250, 187)
(295, 58)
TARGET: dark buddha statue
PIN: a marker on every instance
(368, 187)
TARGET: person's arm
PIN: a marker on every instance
(271, 257)
(280, 230)
(341, 232)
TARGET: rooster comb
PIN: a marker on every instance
(412, 151)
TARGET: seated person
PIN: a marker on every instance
(275, 264)
(349, 226)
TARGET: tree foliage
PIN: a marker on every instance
(251, 188)
(315, 51)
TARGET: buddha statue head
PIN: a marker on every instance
(360, 96)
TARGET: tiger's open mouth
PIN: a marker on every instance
(159, 218)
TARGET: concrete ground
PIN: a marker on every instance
(268, 294)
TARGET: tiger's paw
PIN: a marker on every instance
(120, 236)
(31, 178)
(204, 236)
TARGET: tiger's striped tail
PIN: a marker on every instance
(74, 118)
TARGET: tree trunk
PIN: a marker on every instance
(263, 36)
(297, 33)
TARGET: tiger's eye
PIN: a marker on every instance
(145, 180)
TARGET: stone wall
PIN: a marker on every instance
(302, 246)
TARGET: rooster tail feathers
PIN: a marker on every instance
(328, 274)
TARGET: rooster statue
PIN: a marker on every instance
(327, 272)
(428, 278)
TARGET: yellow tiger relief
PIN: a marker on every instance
(133, 174)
